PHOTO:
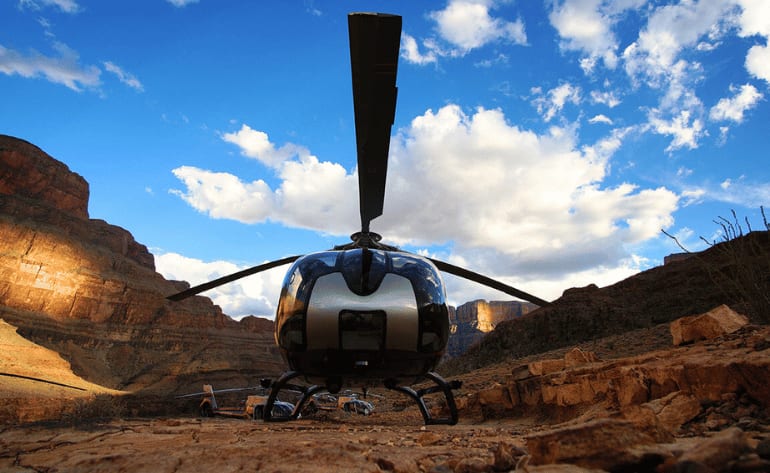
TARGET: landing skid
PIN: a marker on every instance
(307, 392)
(441, 386)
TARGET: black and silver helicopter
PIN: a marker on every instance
(365, 313)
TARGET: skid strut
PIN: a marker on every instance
(441, 386)
(307, 392)
(283, 383)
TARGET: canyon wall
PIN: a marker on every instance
(89, 291)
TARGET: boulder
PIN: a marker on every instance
(604, 444)
(712, 324)
(711, 454)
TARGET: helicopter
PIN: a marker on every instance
(365, 313)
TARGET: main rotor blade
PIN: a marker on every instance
(230, 278)
(486, 281)
(375, 40)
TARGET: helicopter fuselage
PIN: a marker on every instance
(361, 316)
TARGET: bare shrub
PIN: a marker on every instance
(742, 270)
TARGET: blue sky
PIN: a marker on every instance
(543, 143)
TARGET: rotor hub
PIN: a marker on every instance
(368, 240)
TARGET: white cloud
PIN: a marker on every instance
(62, 69)
(758, 62)
(181, 3)
(462, 26)
(755, 21)
(684, 130)
(657, 60)
(755, 18)
(223, 195)
(256, 144)
(550, 104)
(525, 204)
(67, 6)
(740, 192)
(253, 295)
(534, 199)
(733, 108)
(123, 76)
(600, 119)
(410, 51)
(312, 194)
(672, 28)
(467, 24)
(586, 26)
(608, 98)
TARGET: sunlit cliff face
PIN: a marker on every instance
(487, 318)
(47, 273)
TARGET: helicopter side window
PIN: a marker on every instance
(434, 327)
(294, 297)
(426, 281)
(292, 335)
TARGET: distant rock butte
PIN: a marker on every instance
(471, 321)
(89, 291)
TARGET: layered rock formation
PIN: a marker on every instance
(89, 291)
(471, 321)
(630, 413)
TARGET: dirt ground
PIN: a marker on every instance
(339, 443)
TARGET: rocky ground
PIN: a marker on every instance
(722, 426)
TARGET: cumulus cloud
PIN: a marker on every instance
(63, 68)
(462, 26)
(253, 295)
(223, 195)
(755, 21)
(509, 200)
(672, 28)
(586, 26)
(256, 144)
(314, 194)
(467, 24)
(733, 108)
(758, 62)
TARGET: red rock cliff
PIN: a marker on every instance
(88, 290)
